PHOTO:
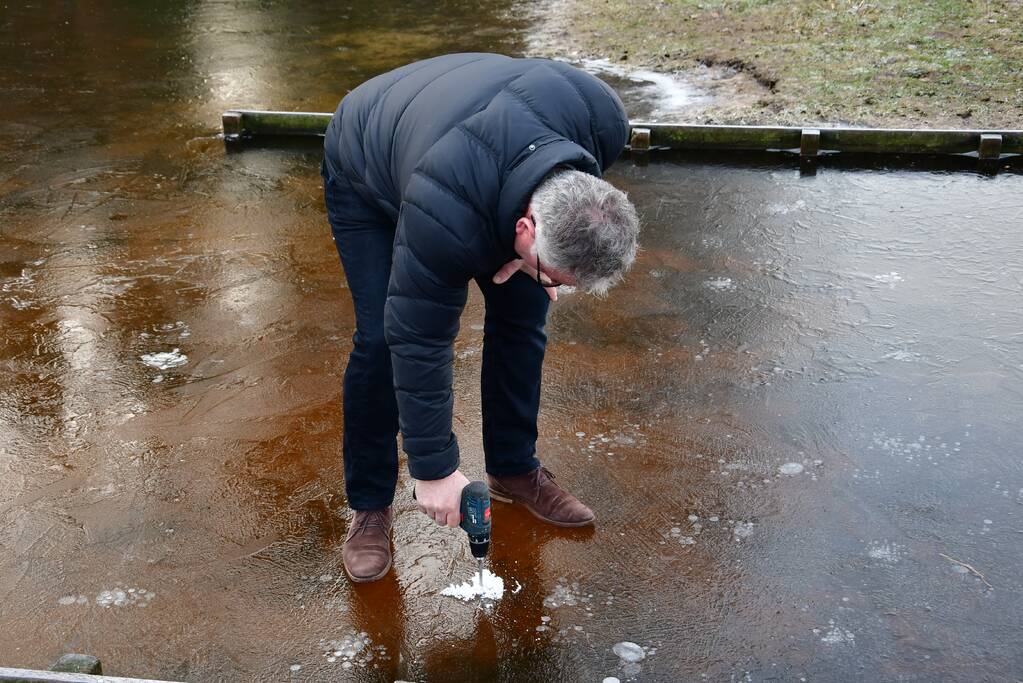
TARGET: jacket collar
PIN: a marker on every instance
(521, 181)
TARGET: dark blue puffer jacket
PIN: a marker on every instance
(451, 148)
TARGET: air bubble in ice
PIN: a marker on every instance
(165, 360)
(628, 651)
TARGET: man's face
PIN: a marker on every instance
(525, 246)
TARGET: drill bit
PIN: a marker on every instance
(480, 560)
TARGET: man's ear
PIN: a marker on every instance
(525, 226)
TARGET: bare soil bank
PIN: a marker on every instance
(948, 63)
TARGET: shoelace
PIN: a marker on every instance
(370, 519)
(550, 477)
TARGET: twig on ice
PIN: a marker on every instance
(963, 564)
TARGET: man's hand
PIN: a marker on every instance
(508, 269)
(441, 499)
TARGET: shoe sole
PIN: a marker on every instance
(368, 579)
(511, 501)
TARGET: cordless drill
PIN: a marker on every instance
(475, 511)
(475, 516)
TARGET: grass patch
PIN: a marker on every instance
(891, 62)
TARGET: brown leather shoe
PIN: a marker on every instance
(538, 492)
(367, 549)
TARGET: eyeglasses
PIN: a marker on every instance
(541, 277)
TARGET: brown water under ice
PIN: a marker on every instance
(798, 420)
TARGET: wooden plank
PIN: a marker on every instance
(250, 123)
(246, 123)
(8, 675)
(869, 140)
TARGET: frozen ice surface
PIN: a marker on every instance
(611, 679)
(565, 594)
(743, 530)
(720, 284)
(902, 355)
(492, 588)
(791, 468)
(888, 278)
(628, 651)
(119, 597)
(352, 649)
(838, 636)
(631, 668)
(885, 551)
(165, 360)
(781, 209)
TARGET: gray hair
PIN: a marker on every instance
(585, 227)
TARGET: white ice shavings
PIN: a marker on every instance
(492, 588)
(165, 360)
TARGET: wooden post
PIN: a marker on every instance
(639, 146)
(809, 148)
(990, 146)
(639, 141)
(989, 152)
(809, 142)
(232, 122)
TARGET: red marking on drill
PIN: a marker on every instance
(486, 515)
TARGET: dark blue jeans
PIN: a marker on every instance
(513, 349)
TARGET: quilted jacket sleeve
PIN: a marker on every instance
(436, 253)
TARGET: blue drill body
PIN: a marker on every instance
(475, 509)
